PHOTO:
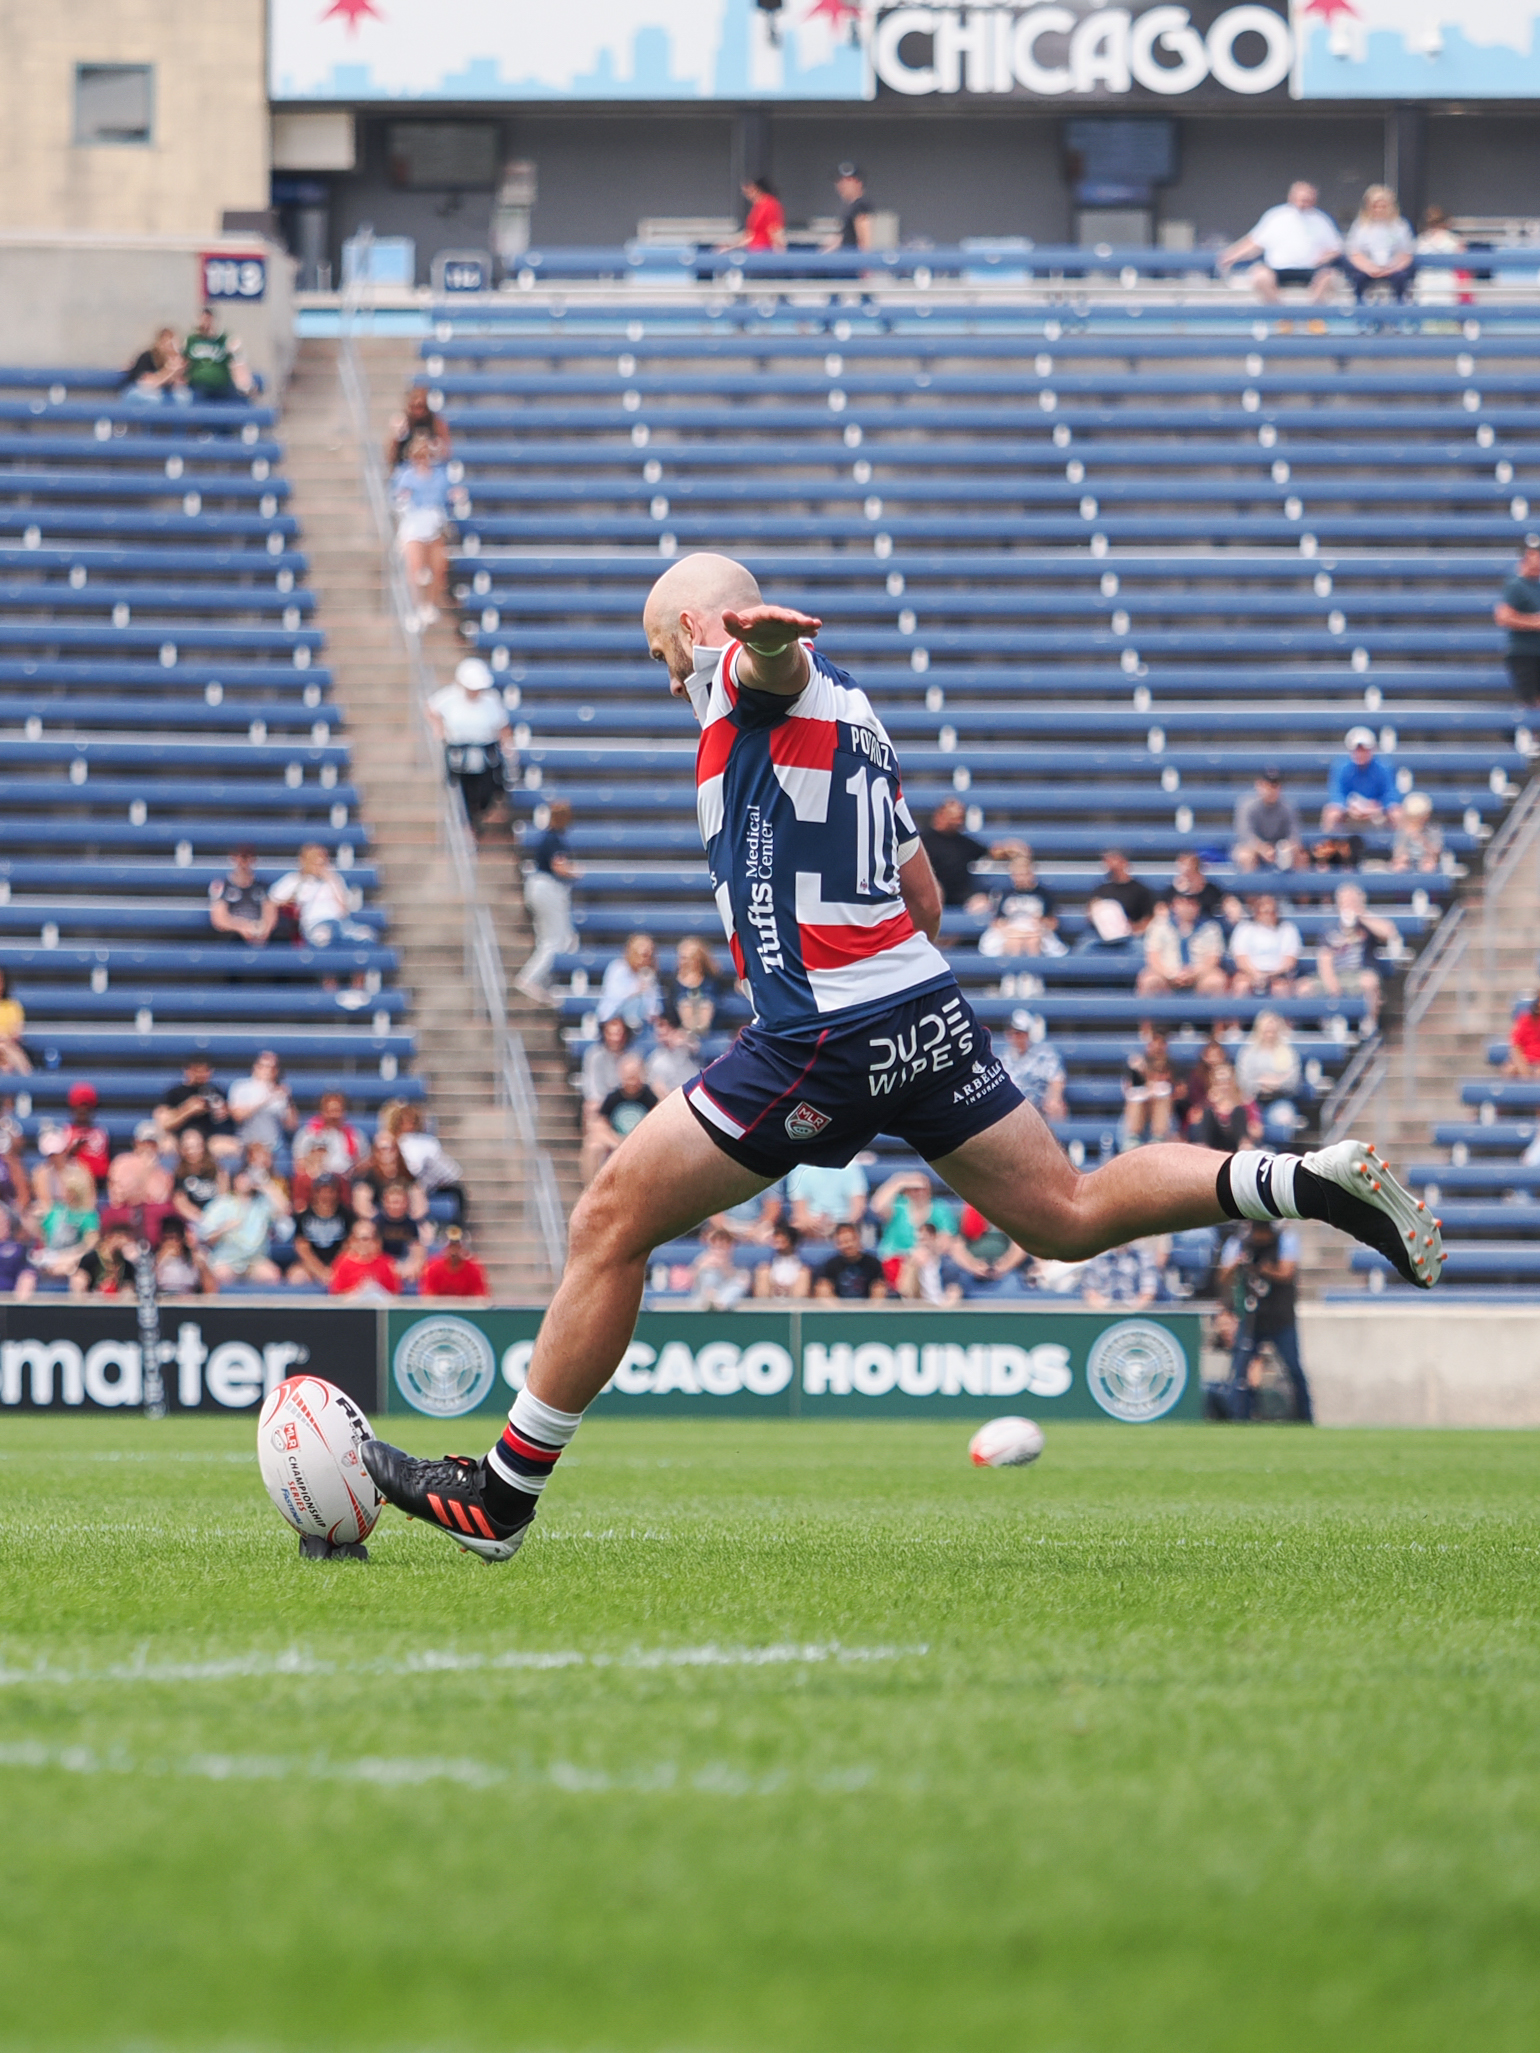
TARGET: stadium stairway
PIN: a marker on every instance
(400, 795)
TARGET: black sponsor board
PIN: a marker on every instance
(214, 1358)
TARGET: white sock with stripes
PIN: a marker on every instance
(1262, 1185)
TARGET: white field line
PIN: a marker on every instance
(450, 1661)
(714, 1778)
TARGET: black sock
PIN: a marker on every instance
(1223, 1193)
(510, 1506)
(1313, 1195)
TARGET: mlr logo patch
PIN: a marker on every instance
(806, 1123)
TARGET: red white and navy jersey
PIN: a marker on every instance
(805, 827)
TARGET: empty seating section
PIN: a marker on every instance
(162, 701)
(1097, 569)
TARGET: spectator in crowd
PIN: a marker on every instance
(107, 1268)
(621, 1113)
(756, 1218)
(330, 1130)
(601, 1064)
(1193, 1089)
(992, 1264)
(822, 1198)
(266, 1181)
(233, 1230)
(321, 1230)
(1183, 952)
(1125, 1277)
(320, 900)
(1381, 249)
(1266, 951)
(696, 987)
(198, 1179)
(716, 1281)
(1118, 911)
(1361, 787)
(15, 1183)
(158, 374)
(674, 1060)
(1293, 244)
(416, 421)
(855, 210)
(66, 1221)
(181, 1269)
(239, 907)
(1191, 883)
(784, 1274)
(1267, 1072)
(139, 1185)
(904, 1204)
(953, 853)
(1013, 935)
(363, 1269)
(13, 1019)
(80, 1139)
(1347, 957)
(215, 367)
(631, 986)
(765, 228)
(1259, 1271)
(18, 1278)
(454, 1270)
(1034, 1065)
(1518, 613)
(1440, 284)
(851, 1272)
(1524, 1042)
(404, 1237)
(548, 895)
(381, 1167)
(195, 1105)
(421, 494)
(1267, 833)
(1149, 1089)
(428, 1163)
(1025, 892)
(929, 1274)
(261, 1106)
(1228, 1122)
(1419, 844)
(470, 723)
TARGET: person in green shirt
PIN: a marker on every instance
(214, 366)
(1518, 611)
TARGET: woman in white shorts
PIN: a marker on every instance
(420, 489)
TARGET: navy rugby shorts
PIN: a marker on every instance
(923, 1070)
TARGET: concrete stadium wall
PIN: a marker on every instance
(1389, 1364)
(209, 149)
(98, 299)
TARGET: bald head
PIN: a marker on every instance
(684, 609)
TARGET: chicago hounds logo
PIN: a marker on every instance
(444, 1366)
(1136, 1371)
(807, 1122)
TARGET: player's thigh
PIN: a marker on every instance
(666, 1176)
(1016, 1174)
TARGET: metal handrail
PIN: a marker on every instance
(1514, 840)
(484, 960)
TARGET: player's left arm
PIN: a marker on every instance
(771, 658)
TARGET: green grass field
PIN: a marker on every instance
(779, 1739)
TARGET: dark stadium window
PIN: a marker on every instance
(114, 103)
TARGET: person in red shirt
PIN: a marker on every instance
(363, 1265)
(1524, 1044)
(765, 228)
(82, 1140)
(454, 1273)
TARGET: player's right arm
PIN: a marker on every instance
(771, 657)
(922, 894)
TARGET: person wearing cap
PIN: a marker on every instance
(1034, 1065)
(454, 1271)
(471, 723)
(1419, 845)
(1518, 614)
(194, 1104)
(1361, 788)
(1118, 910)
(1267, 833)
(855, 210)
(82, 1140)
(238, 905)
(549, 875)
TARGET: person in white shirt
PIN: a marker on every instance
(321, 900)
(471, 723)
(1296, 244)
(1381, 249)
(1266, 953)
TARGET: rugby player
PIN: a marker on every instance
(832, 913)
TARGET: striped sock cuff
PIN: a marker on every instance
(1262, 1185)
(532, 1443)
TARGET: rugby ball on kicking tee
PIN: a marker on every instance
(1006, 1443)
(308, 1441)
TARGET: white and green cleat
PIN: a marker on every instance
(1363, 1198)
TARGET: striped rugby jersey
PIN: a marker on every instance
(805, 827)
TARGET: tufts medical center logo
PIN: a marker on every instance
(444, 1366)
(1136, 1371)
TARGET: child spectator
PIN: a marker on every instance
(238, 905)
(81, 1139)
(1267, 1073)
(784, 1274)
(1524, 1043)
(454, 1272)
(67, 1219)
(107, 1269)
(180, 1270)
(13, 1018)
(402, 1236)
(363, 1269)
(1419, 844)
(197, 1180)
(851, 1273)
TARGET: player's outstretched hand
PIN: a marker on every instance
(770, 630)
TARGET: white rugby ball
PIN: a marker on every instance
(308, 1441)
(1006, 1443)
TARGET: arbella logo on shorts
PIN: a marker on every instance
(806, 1123)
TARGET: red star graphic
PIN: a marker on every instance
(837, 12)
(353, 12)
(1330, 9)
